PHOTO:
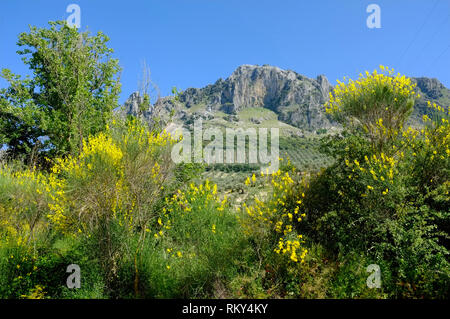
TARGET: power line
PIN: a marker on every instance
(435, 33)
(438, 57)
(417, 33)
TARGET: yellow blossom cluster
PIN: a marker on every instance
(291, 247)
(381, 170)
(101, 175)
(199, 198)
(428, 145)
(202, 196)
(368, 85)
(279, 213)
(144, 138)
(26, 197)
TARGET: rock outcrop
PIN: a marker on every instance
(295, 99)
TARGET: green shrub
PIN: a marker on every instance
(386, 195)
(195, 245)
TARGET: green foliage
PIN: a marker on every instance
(390, 204)
(112, 201)
(372, 100)
(71, 95)
(25, 269)
(197, 247)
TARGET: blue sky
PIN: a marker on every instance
(192, 43)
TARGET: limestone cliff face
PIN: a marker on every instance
(431, 90)
(131, 105)
(296, 99)
(431, 87)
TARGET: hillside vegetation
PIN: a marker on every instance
(97, 189)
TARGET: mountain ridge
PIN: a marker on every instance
(284, 98)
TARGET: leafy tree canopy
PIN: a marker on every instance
(71, 94)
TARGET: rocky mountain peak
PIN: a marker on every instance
(131, 105)
(430, 86)
(294, 99)
(325, 85)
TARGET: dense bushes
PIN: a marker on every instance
(117, 210)
(383, 201)
(139, 227)
(386, 196)
(198, 245)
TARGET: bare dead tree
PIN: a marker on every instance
(148, 91)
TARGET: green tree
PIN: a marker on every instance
(376, 104)
(71, 94)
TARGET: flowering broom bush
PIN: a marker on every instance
(123, 211)
(110, 190)
(274, 219)
(120, 209)
(195, 245)
(377, 104)
(386, 196)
